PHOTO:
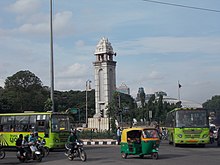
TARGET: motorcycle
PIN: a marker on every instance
(2, 153)
(75, 150)
(27, 155)
(42, 148)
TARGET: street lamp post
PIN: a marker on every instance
(87, 88)
(51, 57)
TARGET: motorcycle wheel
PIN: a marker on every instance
(70, 157)
(46, 151)
(83, 155)
(38, 158)
(21, 160)
(2, 154)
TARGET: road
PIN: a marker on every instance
(110, 155)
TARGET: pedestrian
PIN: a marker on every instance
(157, 127)
(119, 135)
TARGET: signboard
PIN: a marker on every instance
(73, 110)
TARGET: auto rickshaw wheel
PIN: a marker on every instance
(124, 155)
(154, 155)
(141, 156)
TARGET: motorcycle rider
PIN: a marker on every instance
(19, 146)
(32, 142)
(71, 142)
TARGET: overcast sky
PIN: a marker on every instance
(157, 45)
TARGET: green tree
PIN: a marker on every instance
(159, 109)
(126, 112)
(24, 91)
(48, 105)
(213, 105)
(151, 107)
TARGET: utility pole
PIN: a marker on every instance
(88, 87)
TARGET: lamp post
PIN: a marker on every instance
(88, 87)
(51, 57)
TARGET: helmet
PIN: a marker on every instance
(73, 131)
(26, 137)
(21, 136)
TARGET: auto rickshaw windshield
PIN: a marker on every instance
(150, 133)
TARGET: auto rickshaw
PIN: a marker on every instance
(140, 141)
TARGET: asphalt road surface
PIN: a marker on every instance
(110, 155)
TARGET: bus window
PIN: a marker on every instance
(60, 123)
(40, 126)
(32, 122)
(21, 123)
(54, 124)
(7, 123)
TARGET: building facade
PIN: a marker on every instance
(123, 88)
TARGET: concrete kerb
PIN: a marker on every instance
(99, 142)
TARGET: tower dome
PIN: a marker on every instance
(104, 47)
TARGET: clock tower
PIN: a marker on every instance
(105, 76)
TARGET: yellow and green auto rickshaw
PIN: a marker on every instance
(140, 141)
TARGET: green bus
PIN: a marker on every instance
(188, 126)
(53, 127)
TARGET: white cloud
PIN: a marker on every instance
(40, 28)
(25, 6)
(63, 22)
(171, 44)
(61, 25)
(66, 85)
(155, 75)
(80, 43)
(72, 77)
(74, 71)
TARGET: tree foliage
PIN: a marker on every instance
(23, 91)
(23, 81)
(213, 105)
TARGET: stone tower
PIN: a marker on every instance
(105, 76)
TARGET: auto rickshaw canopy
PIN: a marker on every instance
(132, 134)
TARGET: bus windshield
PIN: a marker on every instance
(60, 123)
(191, 118)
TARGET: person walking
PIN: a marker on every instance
(119, 135)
